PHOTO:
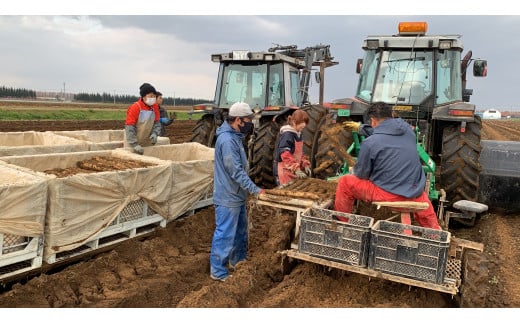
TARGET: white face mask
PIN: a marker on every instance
(149, 101)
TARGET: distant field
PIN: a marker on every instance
(41, 110)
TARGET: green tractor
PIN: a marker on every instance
(274, 83)
(424, 78)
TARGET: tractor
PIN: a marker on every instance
(424, 78)
(274, 83)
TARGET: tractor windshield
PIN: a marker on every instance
(407, 77)
(246, 82)
(404, 77)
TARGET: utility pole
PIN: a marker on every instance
(114, 96)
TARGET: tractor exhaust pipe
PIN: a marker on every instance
(500, 175)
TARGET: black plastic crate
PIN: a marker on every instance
(421, 255)
(321, 235)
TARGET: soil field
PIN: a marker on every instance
(170, 268)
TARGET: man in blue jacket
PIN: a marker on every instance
(231, 185)
(388, 168)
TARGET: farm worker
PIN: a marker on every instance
(388, 168)
(164, 118)
(231, 185)
(290, 162)
(142, 125)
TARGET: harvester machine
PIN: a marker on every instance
(424, 78)
(274, 83)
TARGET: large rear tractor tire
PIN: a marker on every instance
(475, 274)
(316, 113)
(331, 149)
(460, 167)
(261, 163)
(204, 131)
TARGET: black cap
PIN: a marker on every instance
(145, 89)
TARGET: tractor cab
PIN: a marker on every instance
(257, 79)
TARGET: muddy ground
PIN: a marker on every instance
(170, 269)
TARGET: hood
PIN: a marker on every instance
(392, 127)
(288, 128)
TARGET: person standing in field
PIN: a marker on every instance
(142, 125)
(231, 185)
(290, 162)
(164, 118)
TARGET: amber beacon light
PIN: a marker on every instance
(413, 28)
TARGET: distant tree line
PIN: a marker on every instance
(18, 93)
(9, 92)
(107, 98)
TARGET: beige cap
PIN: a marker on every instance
(240, 109)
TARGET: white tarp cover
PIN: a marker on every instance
(83, 205)
(34, 143)
(192, 171)
(103, 139)
(23, 201)
(97, 139)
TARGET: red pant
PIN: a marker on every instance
(350, 188)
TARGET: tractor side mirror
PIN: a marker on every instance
(317, 77)
(359, 65)
(480, 68)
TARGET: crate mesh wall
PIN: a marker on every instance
(12, 243)
(133, 211)
(421, 255)
(322, 236)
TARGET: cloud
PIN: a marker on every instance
(117, 53)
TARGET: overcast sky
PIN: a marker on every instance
(97, 50)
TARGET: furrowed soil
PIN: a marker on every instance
(170, 268)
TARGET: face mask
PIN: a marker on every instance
(246, 128)
(149, 101)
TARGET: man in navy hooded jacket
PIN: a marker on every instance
(231, 185)
(388, 168)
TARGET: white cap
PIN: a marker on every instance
(240, 109)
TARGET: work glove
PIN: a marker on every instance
(153, 138)
(308, 171)
(351, 125)
(300, 174)
(138, 149)
(165, 121)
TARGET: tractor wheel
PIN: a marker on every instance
(204, 131)
(316, 115)
(475, 272)
(460, 168)
(261, 163)
(331, 151)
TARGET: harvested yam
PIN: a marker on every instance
(312, 189)
(295, 194)
(98, 164)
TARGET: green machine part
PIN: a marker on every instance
(429, 168)
(428, 163)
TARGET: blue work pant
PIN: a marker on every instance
(229, 243)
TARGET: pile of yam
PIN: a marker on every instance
(98, 164)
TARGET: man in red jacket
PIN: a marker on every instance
(142, 126)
